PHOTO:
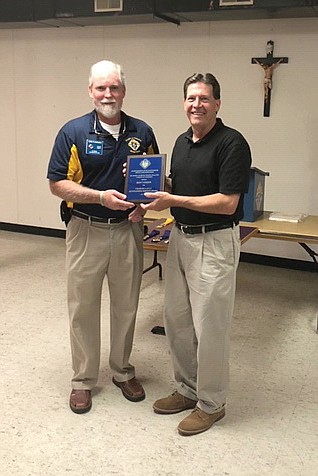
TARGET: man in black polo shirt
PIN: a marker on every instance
(104, 233)
(209, 174)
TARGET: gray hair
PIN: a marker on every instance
(103, 68)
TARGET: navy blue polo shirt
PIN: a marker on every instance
(218, 163)
(82, 155)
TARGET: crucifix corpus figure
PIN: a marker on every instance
(268, 64)
(268, 69)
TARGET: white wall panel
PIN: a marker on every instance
(8, 131)
(44, 84)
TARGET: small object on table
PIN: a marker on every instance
(292, 218)
(165, 223)
(166, 235)
(151, 234)
(163, 237)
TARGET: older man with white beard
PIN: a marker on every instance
(104, 234)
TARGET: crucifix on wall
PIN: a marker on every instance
(268, 64)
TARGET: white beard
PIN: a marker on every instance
(108, 110)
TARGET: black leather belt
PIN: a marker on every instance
(109, 221)
(196, 229)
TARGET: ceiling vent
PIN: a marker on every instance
(104, 6)
(235, 3)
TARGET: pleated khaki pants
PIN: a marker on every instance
(93, 251)
(199, 301)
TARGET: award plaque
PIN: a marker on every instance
(144, 173)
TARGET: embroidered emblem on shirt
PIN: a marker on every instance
(134, 144)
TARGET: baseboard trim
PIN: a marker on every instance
(32, 230)
(245, 257)
(279, 262)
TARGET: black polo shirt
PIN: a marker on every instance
(218, 163)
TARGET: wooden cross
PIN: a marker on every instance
(268, 64)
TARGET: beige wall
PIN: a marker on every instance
(44, 83)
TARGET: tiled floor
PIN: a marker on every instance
(271, 425)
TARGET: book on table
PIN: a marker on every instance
(289, 217)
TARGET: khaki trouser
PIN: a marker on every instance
(200, 290)
(93, 251)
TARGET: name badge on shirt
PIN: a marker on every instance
(94, 147)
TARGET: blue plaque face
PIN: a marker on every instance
(145, 173)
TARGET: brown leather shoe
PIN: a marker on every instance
(80, 401)
(174, 403)
(199, 421)
(131, 389)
